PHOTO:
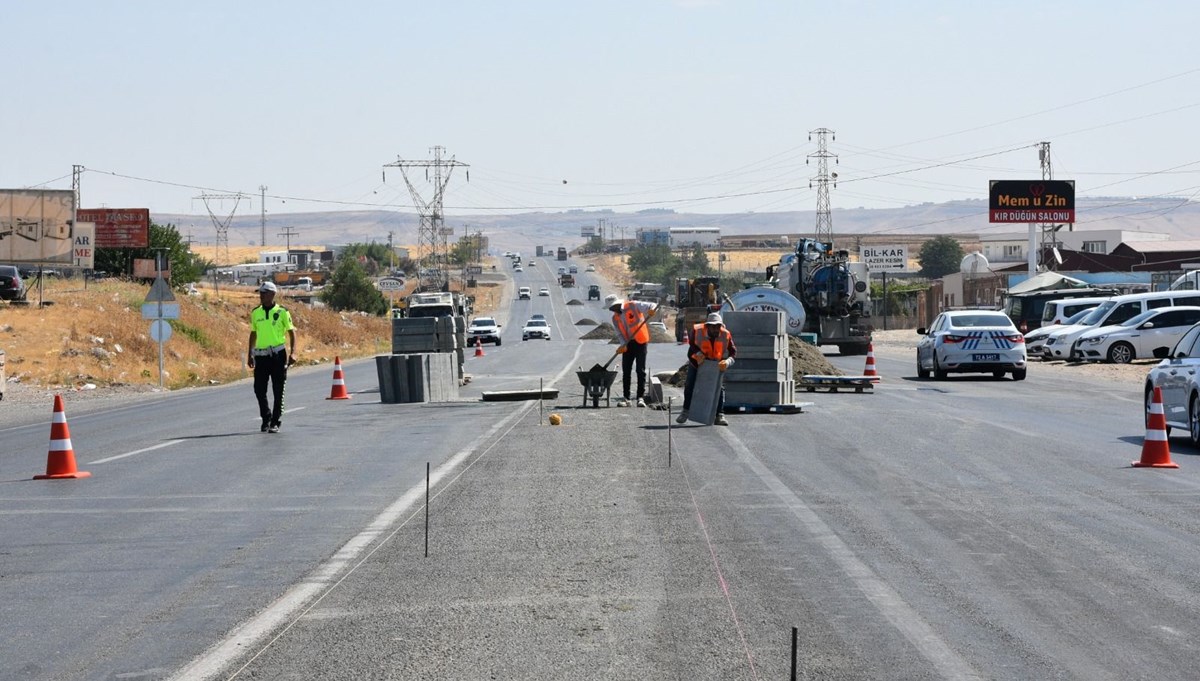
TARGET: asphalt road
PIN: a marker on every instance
(968, 528)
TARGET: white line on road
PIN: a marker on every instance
(885, 599)
(325, 577)
(151, 448)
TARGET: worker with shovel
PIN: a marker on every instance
(709, 341)
(629, 319)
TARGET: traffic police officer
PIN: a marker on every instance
(272, 349)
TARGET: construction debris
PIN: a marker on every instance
(586, 322)
(574, 301)
(601, 332)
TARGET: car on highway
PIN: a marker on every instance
(518, 268)
(538, 316)
(12, 287)
(532, 262)
(660, 326)
(484, 330)
(1177, 376)
(535, 328)
(543, 291)
(591, 268)
(523, 293)
(1137, 337)
(971, 341)
(1035, 341)
(573, 269)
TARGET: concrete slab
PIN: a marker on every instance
(771, 323)
(705, 394)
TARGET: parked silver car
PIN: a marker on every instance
(1176, 376)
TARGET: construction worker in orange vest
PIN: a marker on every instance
(630, 319)
(709, 341)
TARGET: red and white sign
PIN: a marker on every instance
(118, 227)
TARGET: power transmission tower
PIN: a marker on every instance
(824, 231)
(1049, 232)
(262, 204)
(432, 254)
(222, 224)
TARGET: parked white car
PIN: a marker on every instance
(1035, 341)
(1177, 376)
(485, 330)
(1137, 337)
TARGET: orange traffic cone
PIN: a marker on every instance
(478, 348)
(1155, 451)
(870, 369)
(60, 463)
(339, 382)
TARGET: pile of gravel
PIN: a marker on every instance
(586, 322)
(601, 332)
(574, 301)
(807, 359)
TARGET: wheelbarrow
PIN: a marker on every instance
(597, 382)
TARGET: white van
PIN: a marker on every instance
(1114, 311)
(523, 293)
(1058, 311)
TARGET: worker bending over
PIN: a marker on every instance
(630, 319)
(709, 341)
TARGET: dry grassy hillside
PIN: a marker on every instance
(98, 336)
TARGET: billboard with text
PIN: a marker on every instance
(119, 227)
(35, 225)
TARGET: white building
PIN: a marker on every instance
(1012, 247)
(687, 237)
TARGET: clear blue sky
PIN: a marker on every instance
(635, 103)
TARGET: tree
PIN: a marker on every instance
(186, 267)
(940, 256)
(350, 289)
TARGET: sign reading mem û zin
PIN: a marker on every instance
(1031, 201)
(118, 227)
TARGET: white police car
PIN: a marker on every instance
(971, 341)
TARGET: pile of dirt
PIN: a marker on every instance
(807, 359)
(602, 332)
(574, 301)
(656, 336)
(586, 322)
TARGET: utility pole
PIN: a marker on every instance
(287, 234)
(824, 231)
(431, 234)
(391, 255)
(262, 204)
(222, 224)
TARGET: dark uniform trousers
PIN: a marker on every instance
(273, 368)
(635, 352)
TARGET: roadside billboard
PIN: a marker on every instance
(885, 258)
(84, 253)
(1031, 201)
(119, 227)
(35, 226)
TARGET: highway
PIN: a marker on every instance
(968, 528)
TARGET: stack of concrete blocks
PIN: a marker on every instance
(425, 377)
(427, 360)
(761, 376)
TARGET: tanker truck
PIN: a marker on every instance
(821, 292)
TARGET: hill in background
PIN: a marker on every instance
(1179, 218)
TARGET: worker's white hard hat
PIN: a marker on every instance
(611, 300)
(713, 318)
(268, 287)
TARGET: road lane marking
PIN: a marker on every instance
(886, 600)
(302, 597)
(151, 448)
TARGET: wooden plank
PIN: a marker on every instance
(520, 395)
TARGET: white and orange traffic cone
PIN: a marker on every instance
(60, 463)
(478, 348)
(338, 392)
(685, 340)
(1156, 453)
(870, 368)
